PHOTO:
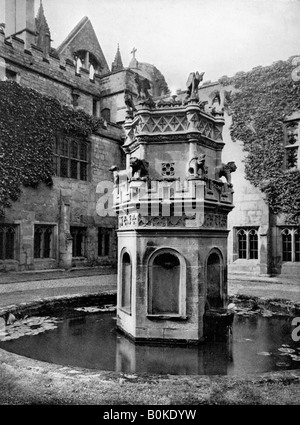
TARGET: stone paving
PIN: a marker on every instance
(265, 289)
(35, 275)
(17, 293)
(16, 288)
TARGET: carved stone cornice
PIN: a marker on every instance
(135, 220)
(179, 138)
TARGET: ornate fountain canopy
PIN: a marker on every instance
(174, 118)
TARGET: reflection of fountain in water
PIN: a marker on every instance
(207, 359)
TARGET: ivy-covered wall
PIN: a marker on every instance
(261, 100)
(31, 194)
(29, 123)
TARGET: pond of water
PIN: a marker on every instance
(258, 344)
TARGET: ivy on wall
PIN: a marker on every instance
(259, 103)
(29, 124)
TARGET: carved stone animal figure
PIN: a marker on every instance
(115, 170)
(216, 107)
(219, 99)
(139, 169)
(129, 102)
(142, 86)
(197, 166)
(226, 170)
(193, 82)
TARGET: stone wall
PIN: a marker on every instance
(112, 93)
(68, 202)
(57, 77)
(45, 205)
(250, 211)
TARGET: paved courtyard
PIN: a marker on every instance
(16, 288)
(288, 289)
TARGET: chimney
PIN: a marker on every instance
(20, 20)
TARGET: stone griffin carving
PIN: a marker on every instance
(139, 169)
(130, 107)
(196, 167)
(217, 108)
(192, 84)
(143, 85)
(226, 170)
(219, 99)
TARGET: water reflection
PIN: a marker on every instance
(207, 359)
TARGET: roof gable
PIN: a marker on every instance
(83, 37)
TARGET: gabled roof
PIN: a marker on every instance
(83, 37)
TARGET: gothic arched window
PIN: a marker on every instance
(247, 241)
(290, 244)
(79, 235)
(43, 241)
(85, 59)
(8, 242)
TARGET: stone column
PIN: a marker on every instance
(65, 238)
(87, 60)
(265, 252)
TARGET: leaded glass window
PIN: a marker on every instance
(105, 239)
(290, 244)
(242, 243)
(247, 240)
(71, 158)
(7, 241)
(43, 241)
(79, 241)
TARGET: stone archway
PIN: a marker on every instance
(214, 280)
(166, 283)
(126, 281)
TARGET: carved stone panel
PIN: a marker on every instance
(215, 221)
(137, 220)
(168, 169)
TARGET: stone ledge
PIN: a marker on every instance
(44, 304)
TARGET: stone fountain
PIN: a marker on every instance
(172, 203)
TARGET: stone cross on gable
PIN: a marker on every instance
(133, 52)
